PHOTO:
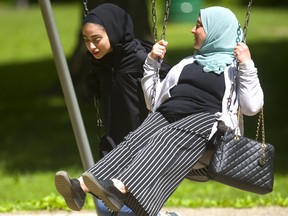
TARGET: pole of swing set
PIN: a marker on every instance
(67, 85)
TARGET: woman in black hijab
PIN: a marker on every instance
(117, 60)
(117, 68)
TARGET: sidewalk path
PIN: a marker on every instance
(267, 211)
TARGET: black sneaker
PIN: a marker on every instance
(71, 190)
(106, 191)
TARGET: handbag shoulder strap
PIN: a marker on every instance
(260, 123)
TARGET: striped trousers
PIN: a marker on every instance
(153, 159)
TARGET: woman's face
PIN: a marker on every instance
(96, 40)
(199, 34)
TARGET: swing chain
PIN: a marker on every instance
(154, 19)
(166, 16)
(99, 123)
(233, 85)
(86, 11)
(247, 18)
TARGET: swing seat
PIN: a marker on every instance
(199, 170)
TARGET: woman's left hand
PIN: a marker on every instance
(242, 52)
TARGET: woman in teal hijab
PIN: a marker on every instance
(150, 163)
(222, 33)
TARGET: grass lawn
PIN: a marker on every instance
(36, 137)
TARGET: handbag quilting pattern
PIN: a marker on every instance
(235, 162)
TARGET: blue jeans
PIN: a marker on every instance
(102, 210)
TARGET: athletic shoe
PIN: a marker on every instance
(71, 190)
(106, 191)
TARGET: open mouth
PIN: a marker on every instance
(95, 52)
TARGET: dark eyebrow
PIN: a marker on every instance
(93, 36)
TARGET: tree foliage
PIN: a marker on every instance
(267, 3)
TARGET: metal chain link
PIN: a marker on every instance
(97, 105)
(99, 122)
(238, 39)
(163, 35)
(165, 21)
(154, 20)
(247, 18)
(260, 123)
(166, 17)
(233, 85)
(86, 11)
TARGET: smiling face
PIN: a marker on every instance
(199, 34)
(96, 40)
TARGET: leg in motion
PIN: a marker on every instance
(105, 190)
(71, 190)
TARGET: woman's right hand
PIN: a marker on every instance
(159, 50)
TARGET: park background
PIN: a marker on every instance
(36, 136)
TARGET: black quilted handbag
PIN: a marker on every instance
(243, 163)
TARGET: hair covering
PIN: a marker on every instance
(115, 20)
(223, 31)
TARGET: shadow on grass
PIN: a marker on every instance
(36, 133)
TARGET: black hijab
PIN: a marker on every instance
(115, 20)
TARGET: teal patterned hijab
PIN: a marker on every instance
(223, 31)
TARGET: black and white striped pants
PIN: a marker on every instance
(155, 158)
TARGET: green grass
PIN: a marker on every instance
(23, 34)
(214, 194)
(28, 194)
(36, 137)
